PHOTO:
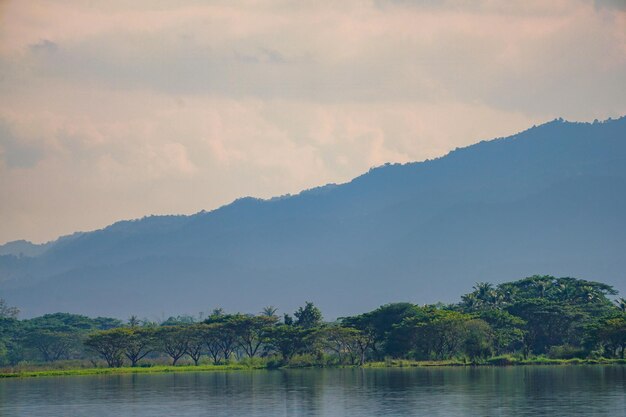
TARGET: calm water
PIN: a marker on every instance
(523, 391)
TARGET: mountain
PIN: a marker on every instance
(23, 248)
(549, 200)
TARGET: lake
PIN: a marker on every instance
(455, 391)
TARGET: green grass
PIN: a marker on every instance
(389, 363)
(495, 361)
(129, 370)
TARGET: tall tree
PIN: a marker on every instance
(211, 334)
(110, 344)
(172, 340)
(347, 342)
(308, 316)
(195, 341)
(139, 343)
(8, 312)
(288, 340)
(52, 345)
(269, 311)
(251, 331)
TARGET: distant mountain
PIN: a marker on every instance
(549, 200)
(23, 248)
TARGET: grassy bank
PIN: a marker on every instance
(128, 370)
(393, 363)
(495, 361)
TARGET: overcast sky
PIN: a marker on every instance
(118, 109)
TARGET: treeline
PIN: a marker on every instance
(538, 316)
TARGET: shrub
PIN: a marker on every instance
(565, 352)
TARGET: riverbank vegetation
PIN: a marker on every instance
(536, 320)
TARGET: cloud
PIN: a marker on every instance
(116, 110)
(17, 152)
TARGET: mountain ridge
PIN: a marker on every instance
(359, 231)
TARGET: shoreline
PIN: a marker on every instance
(393, 364)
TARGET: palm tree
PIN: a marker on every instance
(269, 311)
(133, 321)
(486, 294)
(470, 301)
(543, 286)
(483, 290)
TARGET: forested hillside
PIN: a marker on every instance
(551, 199)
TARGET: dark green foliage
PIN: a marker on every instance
(252, 331)
(110, 344)
(195, 337)
(610, 334)
(172, 340)
(349, 344)
(508, 330)
(308, 316)
(179, 321)
(432, 333)
(555, 318)
(478, 339)
(288, 340)
(139, 343)
(11, 350)
(380, 323)
(52, 345)
(555, 311)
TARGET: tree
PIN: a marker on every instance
(211, 335)
(251, 331)
(555, 311)
(139, 343)
(52, 345)
(346, 341)
(378, 326)
(110, 344)
(172, 340)
(195, 342)
(11, 350)
(287, 340)
(564, 290)
(183, 320)
(548, 324)
(269, 311)
(133, 321)
(612, 333)
(227, 337)
(106, 323)
(484, 296)
(508, 330)
(7, 312)
(309, 316)
(478, 339)
(432, 333)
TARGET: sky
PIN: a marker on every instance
(120, 109)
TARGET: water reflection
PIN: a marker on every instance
(513, 391)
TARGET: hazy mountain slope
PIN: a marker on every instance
(551, 199)
(21, 248)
